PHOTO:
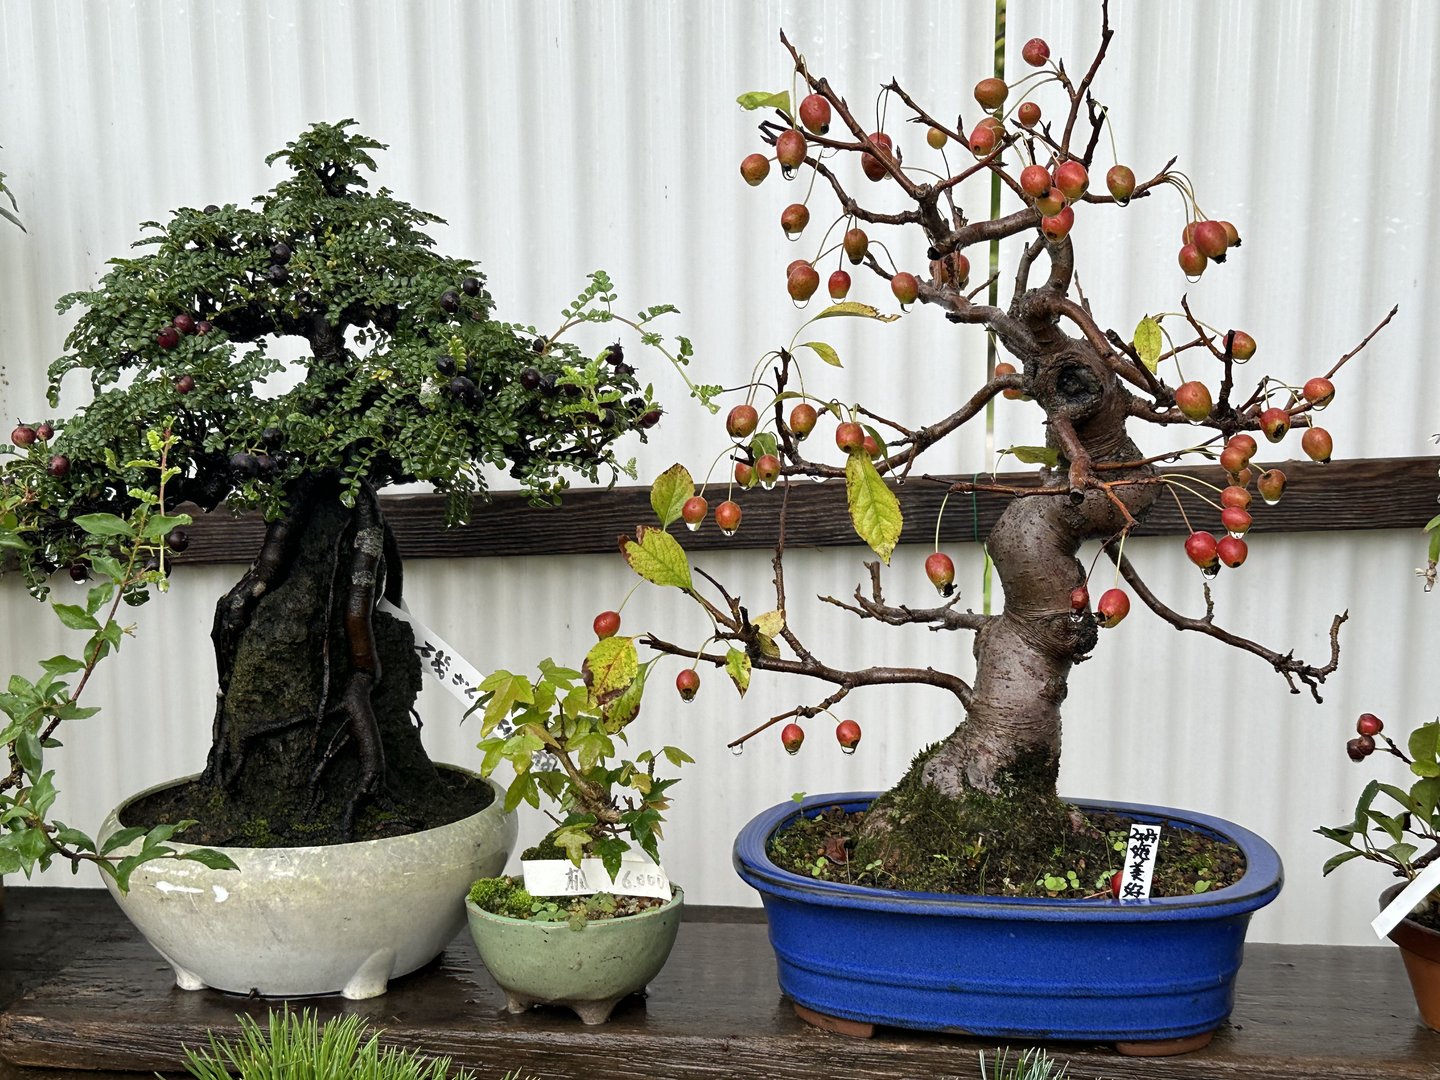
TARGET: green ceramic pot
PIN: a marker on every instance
(588, 970)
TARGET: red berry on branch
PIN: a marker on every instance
(607, 624)
(687, 683)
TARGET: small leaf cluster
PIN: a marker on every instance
(609, 799)
(121, 558)
(1403, 831)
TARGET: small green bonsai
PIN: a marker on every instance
(563, 732)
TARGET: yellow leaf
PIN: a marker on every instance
(874, 510)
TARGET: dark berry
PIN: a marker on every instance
(79, 571)
(178, 540)
(264, 464)
(184, 384)
(211, 209)
(462, 388)
(168, 338)
(44, 432)
(538, 345)
(470, 286)
(650, 419)
(530, 378)
(277, 275)
(184, 323)
(59, 465)
(244, 465)
(203, 327)
(450, 301)
(445, 364)
(271, 437)
(280, 254)
(615, 354)
(549, 386)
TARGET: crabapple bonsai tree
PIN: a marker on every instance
(404, 375)
(1037, 139)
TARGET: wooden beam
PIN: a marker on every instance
(1372, 493)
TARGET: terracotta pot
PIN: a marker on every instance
(1420, 949)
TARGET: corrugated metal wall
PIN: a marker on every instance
(561, 137)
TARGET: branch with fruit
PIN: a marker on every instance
(1090, 382)
(1379, 836)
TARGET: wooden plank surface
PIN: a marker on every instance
(714, 1012)
(1374, 493)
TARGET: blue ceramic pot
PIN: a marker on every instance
(1009, 967)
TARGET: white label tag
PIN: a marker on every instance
(1140, 852)
(1404, 903)
(456, 674)
(638, 876)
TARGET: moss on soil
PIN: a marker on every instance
(1010, 844)
(507, 896)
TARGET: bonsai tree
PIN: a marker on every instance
(403, 374)
(1038, 139)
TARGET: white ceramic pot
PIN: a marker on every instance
(344, 918)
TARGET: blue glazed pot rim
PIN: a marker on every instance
(1259, 885)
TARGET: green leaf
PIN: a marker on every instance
(677, 757)
(1433, 523)
(506, 690)
(161, 524)
(874, 510)
(825, 352)
(215, 860)
(1402, 852)
(657, 557)
(761, 99)
(763, 443)
(121, 838)
(1035, 455)
(857, 309)
(771, 623)
(669, 493)
(610, 667)
(1338, 860)
(75, 617)
(1424, 744)
(1148, 342)
(61, 665)
(105, 525)
(1427, 795)
(737, 666)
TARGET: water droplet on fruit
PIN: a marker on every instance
(1319, 406)
(729, 532)
(800, 305)
(767, 485)
(818, 479)
(899, 481)
(787, 172)
(1237, 535)
(1323, 461)
(1192, 280)
(847, 749)
(1211, 570)
(692, 525)
(792, 750)
(1268, 500)
(1122, 202)
(737, 749)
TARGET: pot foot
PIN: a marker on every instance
(856, 1029)
(1165, 1047)
(516, 1004)
(596, 1012)
(373, 977)
(188, 980)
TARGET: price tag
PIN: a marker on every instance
(455, 673)
(1404, 903)
(638, 876)
(1140, 852)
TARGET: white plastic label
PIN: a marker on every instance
(638, 876)
(456, 674)
(1404, 903)
(1139, 868)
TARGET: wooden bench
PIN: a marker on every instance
(82, 991)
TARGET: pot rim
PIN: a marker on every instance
(498, 801)
(1260, 884)
(677, 898)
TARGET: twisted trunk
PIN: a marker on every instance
(315, 737)
(996, 773)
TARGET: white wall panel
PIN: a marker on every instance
(561, 137)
